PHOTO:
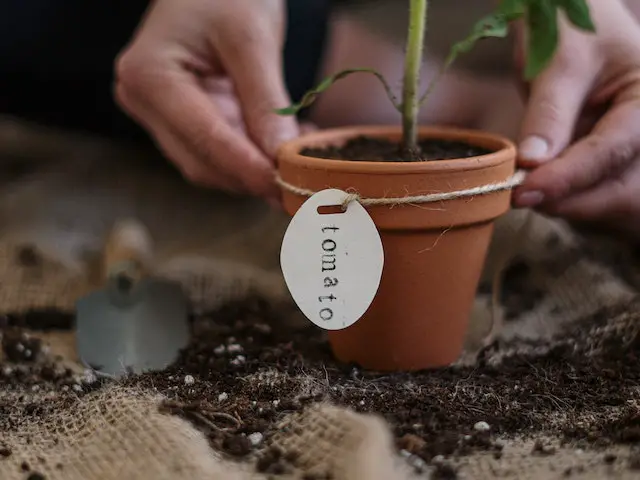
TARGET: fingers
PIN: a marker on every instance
(221, 93)
(556, 99)
(182, 115)
(191, 167)
(605, 154)
(613, 204)
(609, 201)
(252, 58)
(557, 95)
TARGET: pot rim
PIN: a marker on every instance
(503, 150)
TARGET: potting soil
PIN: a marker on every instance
(380, 150)
(258, 396)
(251, 398)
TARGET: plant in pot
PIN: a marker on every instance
(433, 194)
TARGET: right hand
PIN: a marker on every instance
(203, 77)
(582, 126)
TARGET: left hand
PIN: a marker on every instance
(581, 131)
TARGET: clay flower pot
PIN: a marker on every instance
(433, 253)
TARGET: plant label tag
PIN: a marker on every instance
(332, 262)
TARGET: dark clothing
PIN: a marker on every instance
(56, 59)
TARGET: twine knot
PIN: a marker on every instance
(351, 197)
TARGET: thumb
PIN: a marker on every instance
(556, 99)
(257, 73)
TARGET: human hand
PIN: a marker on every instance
(581, 132)
(203, 77)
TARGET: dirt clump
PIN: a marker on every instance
(18, 346)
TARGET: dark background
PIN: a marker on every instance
(56, 58)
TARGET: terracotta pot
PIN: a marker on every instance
(434, 253)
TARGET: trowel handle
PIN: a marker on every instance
(127, 251)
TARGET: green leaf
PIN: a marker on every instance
(542, 23)
(493, 25)
(311, 95)
(578, 13)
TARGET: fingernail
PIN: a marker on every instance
(530, 199)
(534, 148)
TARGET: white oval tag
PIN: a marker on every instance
(332, 262)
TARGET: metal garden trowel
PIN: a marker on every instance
(136, 323)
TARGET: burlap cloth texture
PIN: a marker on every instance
(119, 433)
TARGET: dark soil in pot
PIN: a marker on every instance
(364, 148)
(243, 374)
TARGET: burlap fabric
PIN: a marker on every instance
(118, 432)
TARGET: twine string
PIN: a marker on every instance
(515, 180)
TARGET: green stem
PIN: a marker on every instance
(412, 66)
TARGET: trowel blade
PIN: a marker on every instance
(144, 331)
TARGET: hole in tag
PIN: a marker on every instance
(331, 209)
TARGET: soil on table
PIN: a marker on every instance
(242, 373)
(371, 149)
